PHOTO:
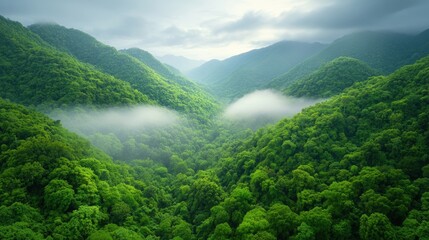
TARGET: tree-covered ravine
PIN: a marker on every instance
(76, 163)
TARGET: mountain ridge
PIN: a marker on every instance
(238, 74)
(164, 91)
(382, 50)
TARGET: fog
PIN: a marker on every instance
(116, 119)
(266, 105)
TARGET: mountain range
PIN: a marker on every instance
(185, 97)
(353, 166)
(279, 65)
(245, 72)
(182, 63)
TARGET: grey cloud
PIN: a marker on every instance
(348, 14)
(128, 27)
(196, 24)
(250, 21)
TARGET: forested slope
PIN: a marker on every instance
(54, 183)
(353, 167)
(332, 78)
(34, 73)
(164, 70)
(383, 51)
(243, 73)
(164, 91)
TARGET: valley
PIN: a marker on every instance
(295, 140)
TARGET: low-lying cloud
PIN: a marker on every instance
(117, 119)
(266, 104)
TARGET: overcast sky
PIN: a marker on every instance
(206, 29)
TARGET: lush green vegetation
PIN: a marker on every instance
(243, 73)
(165, 71)
(331, 79)
(53, 183)
(167, 92)
(353, 167)
(34, 73)
(383, 51)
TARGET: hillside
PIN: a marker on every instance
(353, 167)
(240, 74)
(54, 183)
(163, 91)
(383, 51)
(34, 73)
(331, 79)
(168, 72)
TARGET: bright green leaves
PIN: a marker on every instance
(254, 223)
(82, 223)
(58, 195)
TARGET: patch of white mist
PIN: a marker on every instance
(268, 105)
(116, 119)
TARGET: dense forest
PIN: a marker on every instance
(355, 166)
(165, 90)
(331, 79)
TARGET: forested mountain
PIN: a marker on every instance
(34, 73)
(240, 74)
(353, 167)
(182, 63)
(54, 183)
(383, 51)
(332, 78)
(166, 71)
(164, 91)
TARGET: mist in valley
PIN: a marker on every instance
(156, 132)
(138, 118)
(265, 106)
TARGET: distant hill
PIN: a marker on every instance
(384, 51)
(240, 74)
(182, 63)
(168, 72)
(34, 73)
(332, 78)
(162, 90)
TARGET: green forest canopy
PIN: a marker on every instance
(353, 167)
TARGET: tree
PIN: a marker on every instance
(254, 222)
(376, 227)
(83, 222)
(319, 220)
(59, 194)
(204, 195)
(282, 220)
(222, 232)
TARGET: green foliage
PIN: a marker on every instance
(34, 73)
(331, 79)
(163, 88)
(352, 167)
(348, 167)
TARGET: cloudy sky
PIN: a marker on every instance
(206, 29)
